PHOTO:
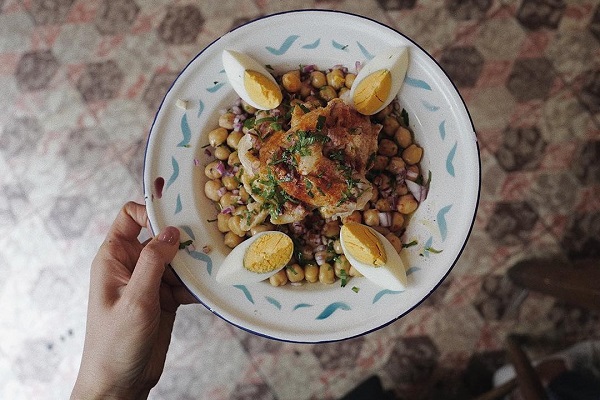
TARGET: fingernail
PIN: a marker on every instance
(169, 235)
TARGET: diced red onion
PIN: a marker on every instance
(308, 68)
(321, 247)
(276, 112)
(207, 152)
(228, 210)
(196, 162)
(385, 219)
(220, 167)
(237, 110)
(321, 257)
(237, 126)
(418, 191)
(358, 65)
(412, 175)
(235, 192)
(221, 191)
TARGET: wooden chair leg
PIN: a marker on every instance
(576, 283)
(527, 378)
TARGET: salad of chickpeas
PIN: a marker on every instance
(318, 256)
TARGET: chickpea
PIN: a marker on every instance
(323, 256)
(349, 80)
(306, 89)
(387, 148)
(341, 263)
(234, 159)
(311, 273)
(318, 79)
(383, 205)
(307, 253)
(390, 125)
(234, 225)
(217, 136)
(401, 189)
(211, 189)
(331, 229)
(335, 79)
(356, 216)
(412, 154)
(248, 108)
(212, 170)
(396, 165)
(230, 182)
(380, 163)
(228, 199)
(382, 181)
(381, 115)
(226, 120)
(326, 273)
(259, 228)
(234, 139)
(337, 247)
(371, 217)
(327, 93)
(397, 221)
(222, 152)
(279, 279)
(407, 204)
(222, 220)
(291, 81)
(231, 240)
(342, 91)
(403, 137)
(395, 241)
(294, 272)
(382, 229)
(354, 272)
(244, 196)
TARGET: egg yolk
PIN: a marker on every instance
(363, 244)
(372, 92)
(262, 90)
(268, 253)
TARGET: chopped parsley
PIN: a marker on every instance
(320, 122)
(355, 289)
(404, 116)
(343, 277)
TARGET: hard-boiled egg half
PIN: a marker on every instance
(251, 81)
(379, 81)
(256, 259)
(373, 256)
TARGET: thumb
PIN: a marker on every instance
(147, 274)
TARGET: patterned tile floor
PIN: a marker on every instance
(79, 84)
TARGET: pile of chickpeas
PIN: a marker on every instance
(318, 256)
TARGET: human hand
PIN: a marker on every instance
(132, 303)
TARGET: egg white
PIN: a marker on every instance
(394, 60)
(391, 275)
(232, 271)
(235, 64)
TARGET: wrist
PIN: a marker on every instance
(98, 391)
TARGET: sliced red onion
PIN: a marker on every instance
(385, 219)
(207, 152)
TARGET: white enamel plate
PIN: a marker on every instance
(174, 178)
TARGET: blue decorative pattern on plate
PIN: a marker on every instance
(312, 312)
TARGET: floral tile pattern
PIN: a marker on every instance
(80, 82)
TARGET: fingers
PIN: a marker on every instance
(129, 222)
(148, 272)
